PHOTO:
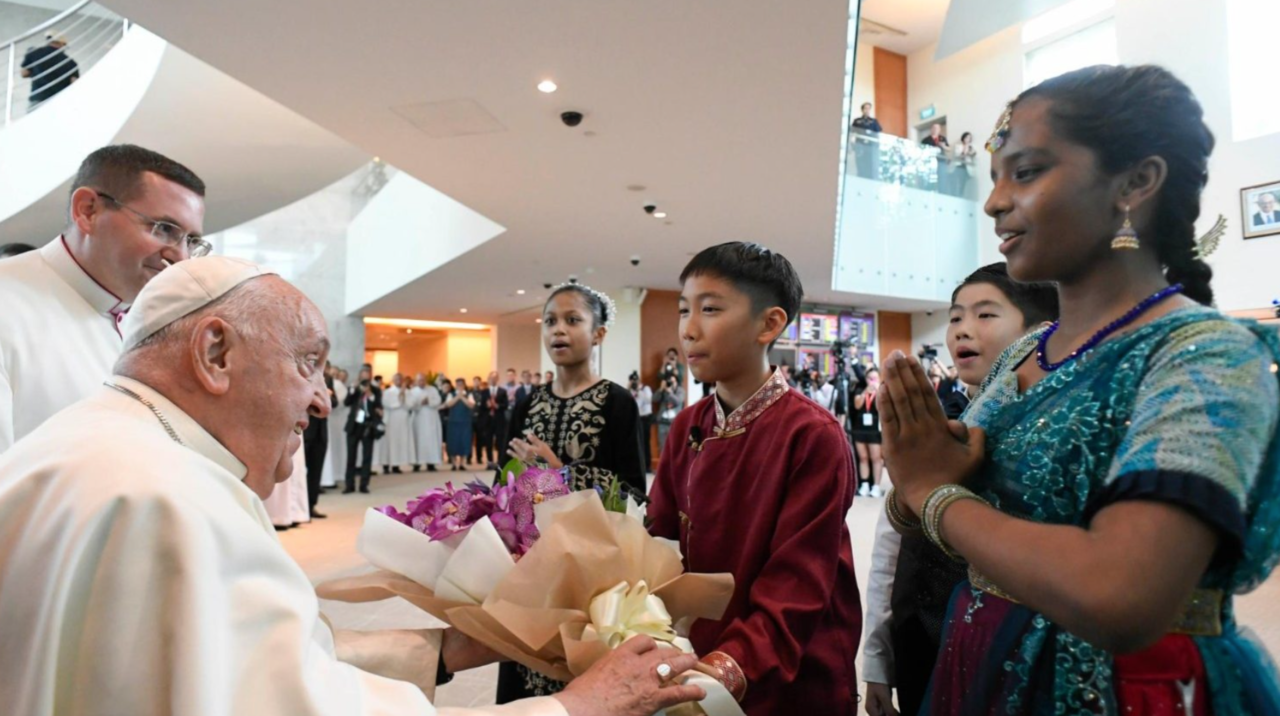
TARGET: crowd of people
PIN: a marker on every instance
(1071, 511)
(955, 165)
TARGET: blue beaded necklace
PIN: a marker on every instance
(1101, 335)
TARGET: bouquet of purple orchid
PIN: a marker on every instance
(448, 512)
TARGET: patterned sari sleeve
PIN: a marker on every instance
(1203, 418)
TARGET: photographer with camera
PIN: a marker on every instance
(643, 395)
(670, 402)
(364, 425)
(671, 366)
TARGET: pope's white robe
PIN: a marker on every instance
(141, 576)
(335, 460)
(427, 434)
(399, 437)
(58, 337)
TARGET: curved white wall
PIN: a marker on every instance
(39, 153)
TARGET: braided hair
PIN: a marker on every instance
(1126, 114)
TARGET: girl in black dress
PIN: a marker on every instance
(866, 436)
(580, 420)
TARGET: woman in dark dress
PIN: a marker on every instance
(580, 421)
(866, 436)
(460, 405)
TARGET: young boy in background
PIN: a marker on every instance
(911, 580)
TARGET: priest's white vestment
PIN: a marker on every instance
(399, 437)
(140, 576)
(288, 504)
(335, 460)
(427, 434)
(59, 337)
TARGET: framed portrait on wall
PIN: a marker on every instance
(1260, 210)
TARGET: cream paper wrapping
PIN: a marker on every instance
(535, 611)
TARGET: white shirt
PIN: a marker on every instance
(141, 576)
(877, 647)
(58, 337)
(826, 397)
(644, 400)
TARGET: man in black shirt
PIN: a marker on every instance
(867, 123)
(49, 68)
(866, 147)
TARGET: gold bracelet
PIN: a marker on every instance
(898, 521)
(935, 505)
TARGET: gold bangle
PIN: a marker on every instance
(900, 523)
(935, 505)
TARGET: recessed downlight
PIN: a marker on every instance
(547, 86)
(520, 292)
(659, 214)
(462, 310)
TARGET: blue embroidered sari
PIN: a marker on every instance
(1182, 410)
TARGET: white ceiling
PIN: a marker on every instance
(921, 20)
(727, 111)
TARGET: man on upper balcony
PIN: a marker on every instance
(133, 213)
(864, 137)
(50, 68)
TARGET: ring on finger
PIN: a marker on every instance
(664, 671)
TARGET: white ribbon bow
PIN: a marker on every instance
(630, 610)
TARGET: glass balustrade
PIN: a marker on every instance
(894, 160)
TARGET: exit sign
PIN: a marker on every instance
(928, 112)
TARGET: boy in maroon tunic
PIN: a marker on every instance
(756, 480)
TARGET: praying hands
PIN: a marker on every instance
(922, 448)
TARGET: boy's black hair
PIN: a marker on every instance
(1038, 302)
(767, 277)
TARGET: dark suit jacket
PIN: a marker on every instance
(1257, 218)
(521, 393)
(320, 426)
(371, 421)
(481, 412)
(501, 400)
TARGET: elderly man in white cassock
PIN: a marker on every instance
(132, 213)
(139, 572)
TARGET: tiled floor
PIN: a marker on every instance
(326, 550)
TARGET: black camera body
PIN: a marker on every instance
(928, 351)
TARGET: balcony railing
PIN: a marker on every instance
(38, 69)
(893, 160)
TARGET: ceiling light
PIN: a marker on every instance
(462, 310)
(659, 214)
(519, 291)
(408, 330)
(427, 325)
(547, 86)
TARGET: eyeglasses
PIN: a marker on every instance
(167, 232)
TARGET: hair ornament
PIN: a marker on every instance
(610, 308)
(1208, 243)
(1001, 132)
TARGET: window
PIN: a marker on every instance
(1076, 34)
(1255, 100)
(1094, 45)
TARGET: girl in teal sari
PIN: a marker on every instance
(1117, 480)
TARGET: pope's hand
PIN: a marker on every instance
(626, 682)
(460, 652)
(922, 449)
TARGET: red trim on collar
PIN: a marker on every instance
(63, 238)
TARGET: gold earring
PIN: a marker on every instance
(1127, 237)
